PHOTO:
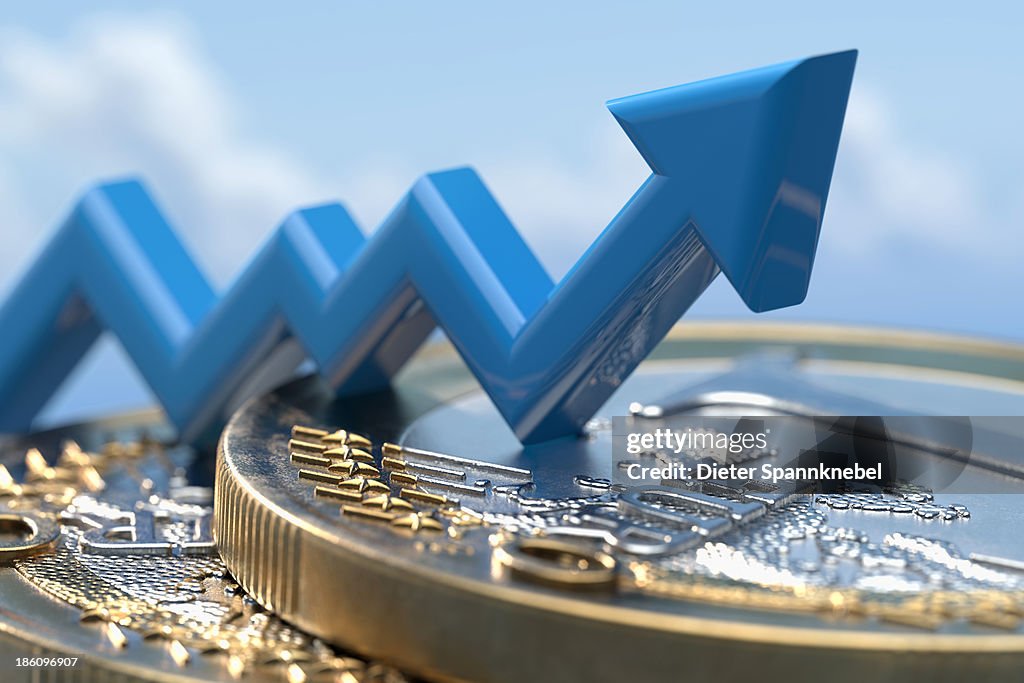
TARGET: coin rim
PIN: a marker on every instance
(250, 528)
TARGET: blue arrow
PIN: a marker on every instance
(742, 166)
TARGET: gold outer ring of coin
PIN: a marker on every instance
(328, 579)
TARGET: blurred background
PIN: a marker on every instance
(236, 113)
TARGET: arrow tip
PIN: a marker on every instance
(753, 153)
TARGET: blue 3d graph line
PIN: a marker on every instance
(741, 171)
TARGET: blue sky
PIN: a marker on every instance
(235, 113)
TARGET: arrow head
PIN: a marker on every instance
(751, 155)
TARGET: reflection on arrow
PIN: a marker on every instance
(742, 166)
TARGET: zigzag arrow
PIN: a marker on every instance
(742, 166)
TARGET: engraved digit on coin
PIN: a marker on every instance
(555, 561)
(23, 534)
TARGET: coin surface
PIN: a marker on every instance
(412, 526)
(108, 571)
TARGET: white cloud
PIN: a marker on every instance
(131, 97)
(136, 97)
(558, 207)
(887, 192)
(887, 188)
(561, 209)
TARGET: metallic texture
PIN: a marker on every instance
(741, 171)
(40, 534)
(574, 567)
(597, 581)
(105, 592)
